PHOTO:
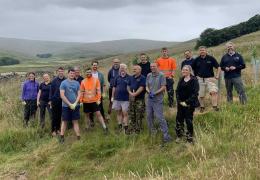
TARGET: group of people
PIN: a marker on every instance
(133, 96)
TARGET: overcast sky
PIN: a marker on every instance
(99, 20)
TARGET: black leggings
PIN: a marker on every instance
(184, 113)
(30, 109)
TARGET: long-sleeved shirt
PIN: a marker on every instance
(188, 92)
(30, 90)
(235, 60)
(112, 74)
(55, 89)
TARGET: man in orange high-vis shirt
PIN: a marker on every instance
(167, 66)
(91, 98)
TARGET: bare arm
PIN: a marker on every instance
(113, 92)
(160, 90)
(38, 96)
(139, 91)
(218, 72)
(63, 97)
(78, 97)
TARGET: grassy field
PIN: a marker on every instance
(227, 146)
(227, 142)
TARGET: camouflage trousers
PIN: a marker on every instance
(136, 115)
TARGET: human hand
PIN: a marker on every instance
(227, 68)
(98, 102)
(183, 104)
(24, 103)
(151, 95)
(232, 67)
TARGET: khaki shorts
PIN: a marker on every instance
(120, 105)
(207, 84)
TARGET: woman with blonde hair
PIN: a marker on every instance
(43, 98)
(187, 100)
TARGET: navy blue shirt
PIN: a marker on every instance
(55, 89)
(203, 67)
(120, 84)
(112, 74)
(45, 91)
(135, 83)
(235, 60)
(187, 62)
(79, 79)
(146, 69)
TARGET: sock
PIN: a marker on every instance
(104, 126)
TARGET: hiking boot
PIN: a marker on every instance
(106, 131)
(78, 138)
(178, 140)
(215, 108)
(167, 140)
(202, 109)
(61, 140)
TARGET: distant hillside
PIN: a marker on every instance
(72, 49)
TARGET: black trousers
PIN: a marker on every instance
(56, 115)
(184, 114)
(43, 106)
(110, 103)
(30, 109)
(170, 91)
(101, 109)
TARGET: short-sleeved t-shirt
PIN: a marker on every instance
(203, 67)
(120, 84)
(45, 91)
(154, 82)
(135, 83)
(71, 88)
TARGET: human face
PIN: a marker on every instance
(187, 54)
(154, 68)
(203, 52)
(77, 72)
(94, 66)
(46, 78)
(143, 59)
(122, 71)
(116, 63)
(230, 48)
(31, 77)
(60, 73)
(136, 70)
(71, 75)
(165, 53)
(88, 73)
(185, 72)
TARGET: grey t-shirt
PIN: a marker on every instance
(71, 88)
(154, 82)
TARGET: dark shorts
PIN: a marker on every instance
(70, 115)
(90, 107)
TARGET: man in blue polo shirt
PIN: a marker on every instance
(188, 58)
(232, 63)
(120, 98)
(136, 90)
(203, 67)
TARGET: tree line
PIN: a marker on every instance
(213, 37)
(5, 61)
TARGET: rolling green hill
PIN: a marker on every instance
(68, 50)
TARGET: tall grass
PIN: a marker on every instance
(227, 147)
